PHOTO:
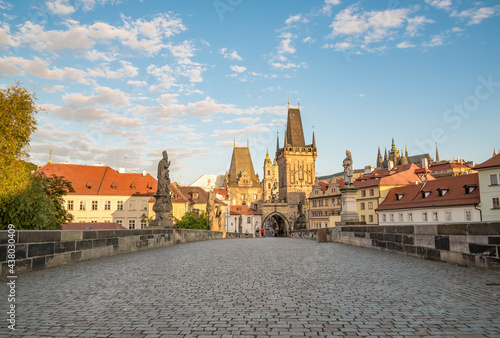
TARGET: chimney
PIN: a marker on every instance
(369, 169)
(144, 172)
(121, 170)
(390, 165)
(425, 163)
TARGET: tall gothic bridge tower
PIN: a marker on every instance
(296, 176)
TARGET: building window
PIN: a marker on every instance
(119, 205)
(248, 220)
(338, 201)
(410, 217)
(254, 197)
(363, 218)
(384, 218)
(71, 205)
(269, 186)
(494, 179)
(400, 217)
(83, 205)
(434, 216)
(268, 172)
(362, 206)
(119, 222)
(131, 223)
(370, 218)
(144, 205)
(372, 192)
(370, 205)
(242, 197)
(363, 193)
(468, 215)
(107, 205)
(496, 202)
(424, 216)
(131, 205)
(95, 205)
(392, 217)
(144, 223)
(448, 215)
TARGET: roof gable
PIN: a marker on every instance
(492, 162)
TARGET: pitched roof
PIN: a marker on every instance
(242, 162)
(399, 175)
(196, 195)
(93, 226)
(492, 162)
(223, 192)
(294, 131)
(243, 210)
(412, 196)
(102, 180)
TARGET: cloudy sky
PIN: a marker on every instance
(122, 80)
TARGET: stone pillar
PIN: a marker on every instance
(349, 215)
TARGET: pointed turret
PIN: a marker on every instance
(314, 139)
(277, 142)
(437, 154)
(495, 152)
(386, 158)
(268, 159)
(380, 160)
(50, 156)
(286, 140)
(393, 147)
(406, 150)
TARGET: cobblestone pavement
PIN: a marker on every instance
(257, 287)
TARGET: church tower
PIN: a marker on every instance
(296, 160)
(267, 183)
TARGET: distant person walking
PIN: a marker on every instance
(262, 232)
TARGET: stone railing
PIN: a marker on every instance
(37, 250)
(468, 244)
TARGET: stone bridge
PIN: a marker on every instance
(255, 287)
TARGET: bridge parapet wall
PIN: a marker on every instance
(467, 244)
(37, 250)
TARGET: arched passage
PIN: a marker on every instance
(278, 222)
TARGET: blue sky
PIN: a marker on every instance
(122, 80)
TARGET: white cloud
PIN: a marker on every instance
(233, 55)
(440, 4)
(243, 120)
(168, 98)
(308, 39)
(40, 68)
(477, 15)
(8, 69)
(137, 83)
(405, 44)
(127, 70)
(60, 7)
(239, 132)
(414, 24)
(436, 41)
(288, 65)
(327, 8)
(238, 69)
(52, 88)
(362, 95)
(286, 43)
(295, 18)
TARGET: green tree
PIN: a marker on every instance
(191, 221)
(17, 123)
(28, 199)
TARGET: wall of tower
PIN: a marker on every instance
(297, 171)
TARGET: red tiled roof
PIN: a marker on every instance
(222, 191)
(399, 175)
(100, 180)
(324, 185)
(93, 226)
(492, 162)
(410, 196)
(447, 166)
(243, 210)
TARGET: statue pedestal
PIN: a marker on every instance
(349, 210)
(162, 207)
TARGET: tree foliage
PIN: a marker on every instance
(191, 220)
(28, 199)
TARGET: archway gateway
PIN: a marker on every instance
(278, 222)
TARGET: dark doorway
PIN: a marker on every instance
(276, 226)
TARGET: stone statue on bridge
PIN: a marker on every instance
(348, 171)
(163, 203)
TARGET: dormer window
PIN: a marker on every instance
(425, 194)
(469, 188)
(113, 185)
(399, 196)
(150, 186)
(89, 185)
(195, 195)
(132, 186)
(442, 192)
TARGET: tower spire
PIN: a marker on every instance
(314, 139)
(386, 158)
(495, 152)
(437, 154)
(288, 102)
(286, 141)
(277, 141)
(248, 143)
(50, 156)
(406, 150)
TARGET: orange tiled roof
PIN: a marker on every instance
(399, 175)
(492, 162)
(243, 210)
(411, 196)
(222, 191)
(102, 180)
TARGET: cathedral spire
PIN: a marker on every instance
(393, 148)
(277, 141)
(386, 158)
(437, 154)
(406, 150)
(286, 133)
